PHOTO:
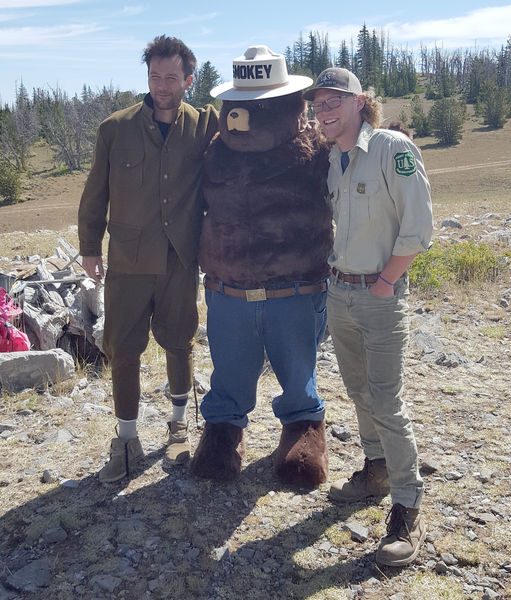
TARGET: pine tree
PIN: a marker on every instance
(299, 54)
(19, 130)
(316, 58)
(504, 65)
(206, 78)
(363, 56)
(420, 121)
(343, 58)
(446, 117)
(495, 104)
(374, 71)
(288, 55)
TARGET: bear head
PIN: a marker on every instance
(261, 125)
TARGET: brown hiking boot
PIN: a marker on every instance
(178, 448)
(405, 533)
(370, 481)
(124, 455)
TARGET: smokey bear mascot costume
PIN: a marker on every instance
(264, 247)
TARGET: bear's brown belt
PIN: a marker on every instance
(259, 294)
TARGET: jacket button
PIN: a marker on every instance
(165, 176)
(165, 200)
(166, 223)
(128, 164)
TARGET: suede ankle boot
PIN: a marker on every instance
(178, 447)
(124, 455)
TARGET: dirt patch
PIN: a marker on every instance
(50, 201)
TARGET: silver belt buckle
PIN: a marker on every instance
(255, 295)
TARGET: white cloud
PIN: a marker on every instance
(192, 19)
(5, 18)
(20, 36)
(35, 3)
(130, 11)
(484, 26)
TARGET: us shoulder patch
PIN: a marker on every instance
(405, 163)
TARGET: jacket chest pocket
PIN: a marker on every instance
(365, 199)
(126, 169)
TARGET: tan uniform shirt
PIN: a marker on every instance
(150, 188)
(381, 204)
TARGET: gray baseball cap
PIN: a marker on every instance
(335, 78)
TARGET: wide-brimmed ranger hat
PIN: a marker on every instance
(260, 73)
(335, 78)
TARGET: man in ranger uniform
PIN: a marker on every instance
(382, 208)
(146, 175)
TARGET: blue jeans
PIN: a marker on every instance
(239, 332)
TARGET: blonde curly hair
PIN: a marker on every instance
(372, 112)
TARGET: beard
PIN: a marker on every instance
(168, 102)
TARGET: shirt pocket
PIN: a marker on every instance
(126, 169)
(124, 243)
(365, 201)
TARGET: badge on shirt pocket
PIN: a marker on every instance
(364, 189)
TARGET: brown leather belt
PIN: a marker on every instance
(264, 293)
(354, 278)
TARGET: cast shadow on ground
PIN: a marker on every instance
(181, 536)
(485, 129)
(433, 146)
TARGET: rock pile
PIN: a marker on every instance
(63, 316)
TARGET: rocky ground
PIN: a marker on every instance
(165, 535)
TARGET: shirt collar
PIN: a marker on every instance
(366, 131)
(364, 135)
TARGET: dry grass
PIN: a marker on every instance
(467, 552)
(434, 587)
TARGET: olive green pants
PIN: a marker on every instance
(370, 336)
(136, 304)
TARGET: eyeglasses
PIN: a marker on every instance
(329, 103)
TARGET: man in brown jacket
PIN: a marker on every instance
(146, 177)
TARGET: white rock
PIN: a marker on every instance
(34, 369)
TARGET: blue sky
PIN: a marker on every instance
(66, 43)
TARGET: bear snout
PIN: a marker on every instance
(238, 119)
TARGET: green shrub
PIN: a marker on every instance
(420, 121)
(10, 183)
(429, 270)
(430, 93)
(495, 105)
(446, 118)
(460, 263)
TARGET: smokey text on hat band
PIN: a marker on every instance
(251, 71)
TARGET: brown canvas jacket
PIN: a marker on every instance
(145, 190)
